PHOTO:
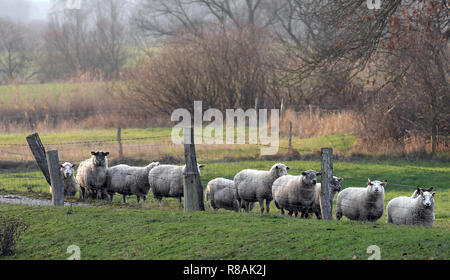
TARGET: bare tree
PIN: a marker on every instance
(110, 35)
(15, 53)
(166, 18)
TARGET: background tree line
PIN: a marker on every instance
(388, 65)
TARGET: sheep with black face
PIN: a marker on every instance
(91, 175)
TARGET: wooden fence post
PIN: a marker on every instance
(38, 150)
(192, 186)
(119, 141)
(56, 179)
(326, 202)
(290, 135)
(310, 113)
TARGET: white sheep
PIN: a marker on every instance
(412, 211)
(128, 180)
(364, 204)
(418, 190)
(91, 175)
(221, 193)
(71, 186)
(296, 193)
(256, 185)
(167, 181)
(335, 188)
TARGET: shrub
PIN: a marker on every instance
(10, 231)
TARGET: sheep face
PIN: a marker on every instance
(200, 166)
(310, 177)
(427, 199)
(280, 169)
(67, 169)
(153, 165)
(100, 158)
(336, 184)
(376, 187)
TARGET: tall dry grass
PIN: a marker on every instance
(84, 102)
(319, 123)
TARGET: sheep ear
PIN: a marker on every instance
(384, 183)
(433, 194)
(341, 180)
(74, 165)
(61, 166)
(304, 173)
(94, 153)
(369, 182)
(288, 168)
(319, 174)
(107, 154)
(421, 192)
(202, 166)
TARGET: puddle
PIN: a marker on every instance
(22, 200)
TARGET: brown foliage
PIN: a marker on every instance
(224, 69)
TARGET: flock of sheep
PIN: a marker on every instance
(294, 194)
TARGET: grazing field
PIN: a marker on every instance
(154, 144)
(133, 232)
(112, 233)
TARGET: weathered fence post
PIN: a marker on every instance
(38, 150)
(55, 177)
(326, 202)
(119, 141)
(290, 135)
(310, 113)
(192, 186)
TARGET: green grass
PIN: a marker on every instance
(341, 143)
(132, 232)
(143, 135)
(111, 233)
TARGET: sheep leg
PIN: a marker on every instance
(318, 215)
(138, 199)
(261, 205)
(296, 213)
(159, 201)
(82, 193)
(111, 197)
(239, 205)
(267, 206)
(144, 199)
(282, 211)
(338, 215)
(290, 213)
(124, 199)
(180, 201)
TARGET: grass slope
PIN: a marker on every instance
(103, 233)
(132, 232)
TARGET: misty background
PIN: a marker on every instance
(164, 54)
(25, 10)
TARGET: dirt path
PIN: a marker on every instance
(22, 200)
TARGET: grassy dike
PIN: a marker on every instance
(114, 233)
